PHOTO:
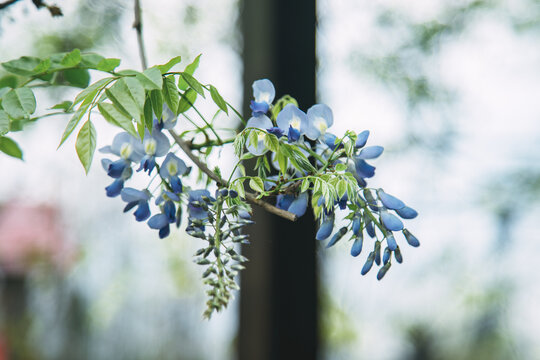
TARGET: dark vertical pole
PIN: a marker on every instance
(278, 300)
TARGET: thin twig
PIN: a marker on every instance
(137, 25)
(250, 197)
(7, 3)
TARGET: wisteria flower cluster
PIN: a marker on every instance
(299, 164)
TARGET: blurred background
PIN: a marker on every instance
(451, 90)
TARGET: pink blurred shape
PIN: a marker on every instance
(30, 234)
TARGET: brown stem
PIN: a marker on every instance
(250, 197)
(7, 3)
(137, 25)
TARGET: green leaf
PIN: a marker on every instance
(86, 144)
(341, 188)
(187, 101)
(190, 69)
(305, 185)
(148, 115)
(8, 81)
(193, 83)
(64, 105)
(170, 93)
(22, 66)
(4, 123)
(218, 99)
(91, 60)
(282, 161)
(92, 90)
(128, 96)
(157, 102)
(117, 117)
(271, 142)
(108, 64)
(140, 130)
(256, 184)
(239, 187)
(166, 67)
(151, 79)
(10, 147)
(77, 77)
(73, 122)
(19, 102)
(72, 59)
(43, 66)
(341, 167)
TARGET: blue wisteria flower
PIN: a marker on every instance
(320, 118)
(261, 122)
(167, 121)
(263, 93)
(294, 204)
(154, 145)
(292, 121)
(138, 198)
(172, 168)
(129, 150)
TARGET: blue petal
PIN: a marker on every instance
(356, 225)
(292, 116)
(315, 114)
(168, 118)
(148, 162)
(391, 242)
(116, 168)
(407, 213)
(370, 229)
(158, 221)
(197, 212)
(233, 194)
(370, 152)
(326, 228)
(391, 222)
(261, 122)
(259, 108)
(115, 188)
(164, 232)
(369, 263)
(124, 139)
(356, 248)
(263, 91)
(170, 210)
(391, 202)
(411, 239)
(276, 131)
(361, 140)
(386, 255)
(329, 140)
(397, 255)
(337, 236)
(143, 211)
(293, 134)
(299, 206)
(179, 166)
(131, 195)
(176, 184)
(105, 163)
(383, 271)
(243, 214)
(363, 169)
(197, 195)
(162, 145)
(284, 201)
